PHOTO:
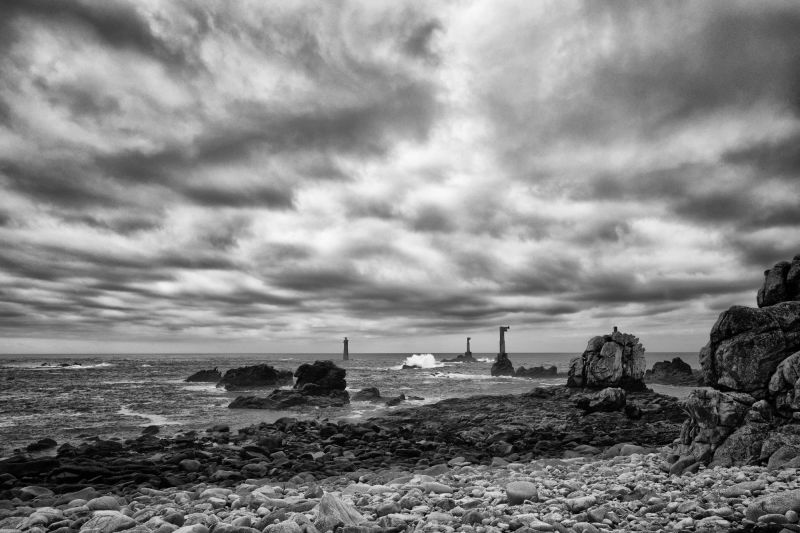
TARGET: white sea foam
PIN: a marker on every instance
(485, 360)
(157, 420)
(422, 360)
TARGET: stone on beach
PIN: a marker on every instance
(519, 491)
(108, 522)
(333, 512)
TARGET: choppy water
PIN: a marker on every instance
(117, 395)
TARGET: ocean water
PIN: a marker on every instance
(117, 395)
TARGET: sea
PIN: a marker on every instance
(71, 398)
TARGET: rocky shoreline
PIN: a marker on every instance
(532, 462)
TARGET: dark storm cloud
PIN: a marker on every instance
(774, 158)
(116, 23)
(419, 42)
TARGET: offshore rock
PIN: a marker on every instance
(675, 372)
(615, 360)
(502, 366)
(746, 346)
(248, 377)
(369, 394)
(461, 358)
(537, 372)
(205, 376)
(324, 374)
(781, 283)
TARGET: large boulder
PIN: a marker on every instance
(784, 385)
(248, 377)
(746, 346)
(324, 374)
(609, 399)
(615, 360)
(502, 366)
(675, 372)
(781, 283)
(713, 416)
(205, 376)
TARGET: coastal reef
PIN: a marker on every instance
(615, 360)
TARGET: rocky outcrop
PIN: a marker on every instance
(781, 283)
(249, 377)
(747, 344)
(205, 376)
(537, 372)
(615, 360)
(370, 394)
(752, 359)
(324, 374)
(320, 384)
(675, 372)
(502, 366)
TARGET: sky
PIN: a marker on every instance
(257, 176)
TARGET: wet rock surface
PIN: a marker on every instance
(254, 376)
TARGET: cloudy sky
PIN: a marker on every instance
(272, 176)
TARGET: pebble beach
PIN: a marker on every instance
(597, 472)
(623, 493)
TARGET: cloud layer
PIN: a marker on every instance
(268, 176)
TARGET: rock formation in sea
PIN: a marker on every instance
(205, 376)
(537, 372)
(752, 362)
(465, 357)
(675, 372)
(324, 374)
(321, 384)
(615, 360)
(248, 377)
(502, 366)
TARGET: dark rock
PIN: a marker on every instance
(409, 367)
(608, 399)
(396, 400)
(675, 372)
(615, 360)
(461, 358)
(502, 366)
(781, 283)
(248, 377)
(206, 376)
(537, 372)
(370, 394)
(746, 346)
(42, 444)
(324, 374)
